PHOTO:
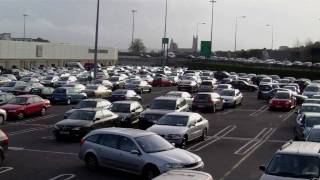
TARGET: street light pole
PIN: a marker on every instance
(211, 35)
(133, 13)
(197, 31)
(24, 26)
(236, 33)
(272, 35)
(165, 51)
(96, 41)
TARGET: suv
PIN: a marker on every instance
(136, 151)
(294, 160)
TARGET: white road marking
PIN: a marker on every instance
(5, 169)
(63, 177)
(28, 130)
(253, 142)
(48, 137)
(228, 112)
(24, 122)
(216, 137)
(284, 114)
(41, 151)
(260, 110)
(248, 139)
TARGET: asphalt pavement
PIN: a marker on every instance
(239, 140)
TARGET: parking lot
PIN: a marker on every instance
(239, 140)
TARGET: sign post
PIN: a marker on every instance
(206, 48)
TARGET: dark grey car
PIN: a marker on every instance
(129, 112)
(90, 103)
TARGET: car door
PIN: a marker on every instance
(31, 107)
(108, 121)
(99, 121)
(129, 160)
(38, 102)
(199, 126)
(108, 151)
(192, 132)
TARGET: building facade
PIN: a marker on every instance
(22, 54)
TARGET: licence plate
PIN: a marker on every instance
(64, 132)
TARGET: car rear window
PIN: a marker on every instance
(206, 83)
(60, 90)
(202, 96)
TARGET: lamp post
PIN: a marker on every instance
(96, 41)
(272, 35)
(211, 34)
(133, 16)
(236, 33)
(24, 26)
(197, 32)
(164, 49)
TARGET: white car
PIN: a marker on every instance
(311, 90)
(231, 97)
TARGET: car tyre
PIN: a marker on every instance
(150, 172)
(2, 120)
(68, 102)
(184, 142)
(20, 115)
(91, 162)
(43, 111)
(150, 90)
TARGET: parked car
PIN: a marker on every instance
(82, 121)
(64, 80)
(188, 85)
(314, 134)
(161, 81)
(97, 91)
(207, 86)
(129, 112)
(139, 86)
(187, 96)
(243, 85)
(5, 98)
(294, 160)
(4, 145)
(311, 90)
(282, 100)
(124, 94)
(49, 80)
(221, 87)
(76, 86)
(104, 82)
(136, 151)
(67, 95)
(44, 92)
(25, 89)
(209, 101)
(306, 121)
(264, 90)
(161, 106)
(90, 103)
(25, 105)
(181, 127)
(10, 86)
(117, 82)
(184, 175)
(231, 97)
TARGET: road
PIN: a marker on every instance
(239, 141)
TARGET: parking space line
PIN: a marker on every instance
(28, 130)
(259, 111)
(253, 142)
(248, 139)
(5, 169)
(214, 138)
(31, 120)
(63, 177)
(284, 114)
(41, 151)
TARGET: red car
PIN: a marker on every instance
(161, 81)
(25, 105)
(282, 100)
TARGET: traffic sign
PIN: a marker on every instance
(165, 40)
(206, 48)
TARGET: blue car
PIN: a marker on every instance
(67, 95)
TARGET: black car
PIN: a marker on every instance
(264, 89)
(128, 111)
(4, 142)
(243, 85)
(44, 92)
(5, 98)
(82, 121)
(219, 75)
(303, 83)
(124, 94)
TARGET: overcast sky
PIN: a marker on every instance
(73, 21)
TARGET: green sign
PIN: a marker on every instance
(206, 48)
(165, 40)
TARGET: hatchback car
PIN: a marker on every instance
(304, 124)
(208, 101)
(129, 112)
(311, 90)
(124, 94)
(139, 86)
(181, 127)
(243, 85)
(140, 152)
(90, 103)
(231, 97)
(207, 86)
(282, 100)
(82, 121)
(4, 143)
(25, 105)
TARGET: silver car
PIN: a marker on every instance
(136, 151)
(231, 97)
(181, 127)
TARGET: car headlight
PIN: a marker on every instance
(174, 136)
(173, 165)
(76, 128)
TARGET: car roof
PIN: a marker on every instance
(167, 98)
(97, 100)
(300, 148)
(310, 104)
(124, 102)
(314, 114)
(28, 96)
(182, 113)
(124, 131)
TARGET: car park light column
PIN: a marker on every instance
(272, 34)
(96, 41)
(236, 34)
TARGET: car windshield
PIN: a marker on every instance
(48, 78)
(282, 95)
(120, 107)
(64, 79)
(92, 87)
(18, 100)
(119, 92)
(309, 109)
(294, 166)
(114, 79)
(312, 88)
(227, 93)
(314, 135)
(164, 104)
(136, 82)
(202, 97)
(265, 88)
(312, 121)
(153, 143)
(87, 104)
(222, 87)
(171, 120)
(206, 83)
(9, 84)
(83, 115)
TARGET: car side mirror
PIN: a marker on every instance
(97, 119)
(262, 168)
(136, 152)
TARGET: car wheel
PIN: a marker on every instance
(204, 134)
(141, 91)
(91, 162)
(43, 111)
(20, 116)
(150, 90)
(184, 142)
(150, 172)
(2, 120)
(68, 101)
(234, 105)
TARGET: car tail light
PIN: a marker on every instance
(82, 141)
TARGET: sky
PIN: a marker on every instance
(73, 21)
